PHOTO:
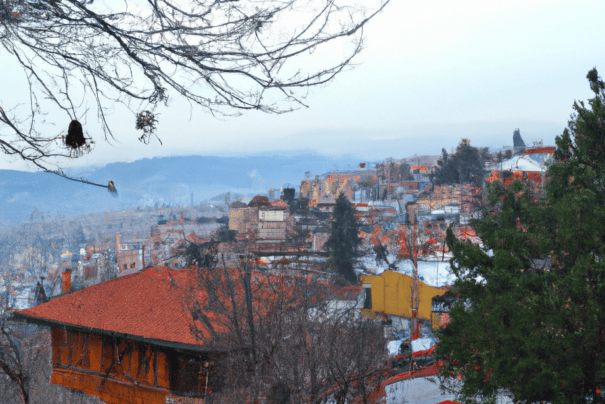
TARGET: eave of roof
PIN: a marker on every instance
(168, 344)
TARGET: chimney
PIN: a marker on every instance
(362, 165)
(66, 280)
(143, 256)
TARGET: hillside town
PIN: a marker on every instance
(146, 305)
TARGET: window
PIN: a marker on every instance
(188, 374)
(367, 304)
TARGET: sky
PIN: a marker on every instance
(432, 72)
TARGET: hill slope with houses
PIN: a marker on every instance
(179, 180)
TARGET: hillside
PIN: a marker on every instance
(153, 182)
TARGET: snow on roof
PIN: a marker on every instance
(422, 344)
(393, 347)
(520, 163)
(433, 273)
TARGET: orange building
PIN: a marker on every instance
(129, 340)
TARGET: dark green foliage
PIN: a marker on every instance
(405, 172)
(485, 155)
(463, 167)
(223, 220)
(344, 239)
(193, 254)
(531, 314)
(224, 234)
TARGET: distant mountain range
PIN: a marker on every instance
(182, 180)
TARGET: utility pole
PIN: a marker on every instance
(414, 291)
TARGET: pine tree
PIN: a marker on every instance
(463, 167)
(530, 317)
(344, 239)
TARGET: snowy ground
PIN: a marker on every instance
(433, 273)
(425, 390)
(422, 390)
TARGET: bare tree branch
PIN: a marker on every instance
(225, 56)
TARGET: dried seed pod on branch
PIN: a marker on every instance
(224, 56)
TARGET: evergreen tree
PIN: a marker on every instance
(463, 167)
(530, 317)
(344, 239)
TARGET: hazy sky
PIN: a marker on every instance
(433, 71)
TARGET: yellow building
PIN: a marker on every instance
(391, 293)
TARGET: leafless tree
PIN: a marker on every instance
(25, 363)
(284, 338)
(226, 56)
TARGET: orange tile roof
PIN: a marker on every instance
(149, 304)
(143, 304)
(279, 204)
(541, 150)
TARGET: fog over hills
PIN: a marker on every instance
(154, 182)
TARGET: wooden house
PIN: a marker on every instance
(129, 340)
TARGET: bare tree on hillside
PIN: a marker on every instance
(83, 57)
(286, 339)
(25, 362)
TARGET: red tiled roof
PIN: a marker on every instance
(142, 304)
(150, 304)
(540, 150)
(279, 204)
(259, 200)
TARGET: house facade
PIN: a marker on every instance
(129, 340)
(122, 370)
(391, 293)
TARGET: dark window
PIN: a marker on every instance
(367, 304)
(188, 374)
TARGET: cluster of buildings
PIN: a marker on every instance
(139, 346)
(78, 267)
